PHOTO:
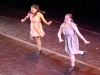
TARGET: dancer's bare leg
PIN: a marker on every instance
(38, 40)
(72, 59)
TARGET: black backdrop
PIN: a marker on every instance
(85, 11)
(83, 8)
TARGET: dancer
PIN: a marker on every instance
(70, 31)
(36, 30)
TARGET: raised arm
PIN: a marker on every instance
(44, 20)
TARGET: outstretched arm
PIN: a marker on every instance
(79, 34)
(23, 20)
(44, 20)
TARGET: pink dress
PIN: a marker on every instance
(36, 26)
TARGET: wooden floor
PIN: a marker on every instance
(17, 58)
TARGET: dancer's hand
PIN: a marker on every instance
(61, 40)
(86, 42)
(22, 20)
(49, 22)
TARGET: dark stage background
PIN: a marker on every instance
(85, 12)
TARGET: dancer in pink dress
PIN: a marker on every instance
(36, 30)
(70, 31)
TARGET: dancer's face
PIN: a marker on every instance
(33, 10)
(67, 18)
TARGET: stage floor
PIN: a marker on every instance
(18, 50)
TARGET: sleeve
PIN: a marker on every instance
(61, 26)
